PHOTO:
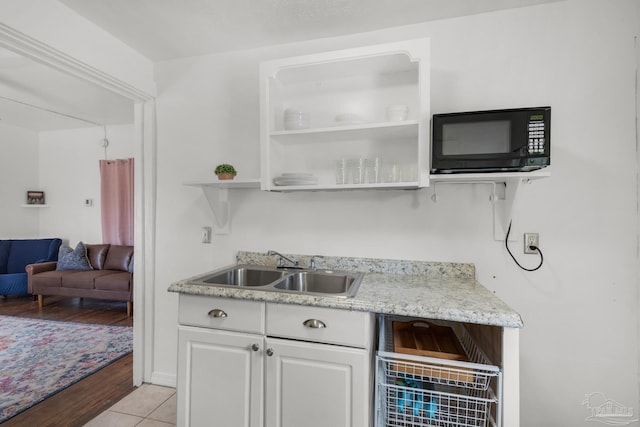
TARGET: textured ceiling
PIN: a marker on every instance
(166, 29)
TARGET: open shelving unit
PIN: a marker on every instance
(362, 82)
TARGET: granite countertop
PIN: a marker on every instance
(430, 290)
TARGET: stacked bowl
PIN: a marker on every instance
(295, 119)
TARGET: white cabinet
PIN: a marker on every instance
(344, 96)
(316, 385)
(223, 375)
(220, 364)
(248, 363)
(220, 378)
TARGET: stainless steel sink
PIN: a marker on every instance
(318, 283)
(299, 281)
(245, 276)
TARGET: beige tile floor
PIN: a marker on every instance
(147, 406)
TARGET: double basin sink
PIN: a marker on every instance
(300, 281)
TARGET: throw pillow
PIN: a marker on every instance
(75, 259)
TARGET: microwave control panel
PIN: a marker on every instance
(536, 135)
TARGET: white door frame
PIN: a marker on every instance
(637, 116)
(145, 182)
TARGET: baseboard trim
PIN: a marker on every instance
(163, 379)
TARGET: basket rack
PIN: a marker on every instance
(417, 391)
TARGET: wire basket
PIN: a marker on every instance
(428, 391)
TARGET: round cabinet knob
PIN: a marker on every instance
(255, 347)
(269, 352)
(314, 323)
(216, 312)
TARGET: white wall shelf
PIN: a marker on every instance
(217, 194)
(34, 206)
(336, 187)
(492, 177)
(372, 131)
(505, 189)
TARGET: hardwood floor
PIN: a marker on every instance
(81, 402)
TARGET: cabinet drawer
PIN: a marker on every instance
(237, 315)
(352, 328)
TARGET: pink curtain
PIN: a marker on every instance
(116, 188)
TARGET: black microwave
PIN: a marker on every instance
(514, 140)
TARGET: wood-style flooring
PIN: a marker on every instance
(81, 402)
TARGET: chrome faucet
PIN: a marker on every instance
(312, 263)
(294, 262)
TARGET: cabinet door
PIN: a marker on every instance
(220, 378)
(316, 385)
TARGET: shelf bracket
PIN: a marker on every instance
(503, 208)
(217, 195)
(503, 197)
(218, 199)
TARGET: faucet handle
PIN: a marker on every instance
(312, 263)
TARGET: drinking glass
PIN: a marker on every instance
(374, 170)
(391, 172)
(342, 170)
(358, 170)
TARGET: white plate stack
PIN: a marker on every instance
(295, 179)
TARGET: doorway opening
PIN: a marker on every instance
(143, 105)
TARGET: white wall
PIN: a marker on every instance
(18, 174)
(70, 173)
(580, 310)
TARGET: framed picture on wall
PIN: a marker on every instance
(35, 197)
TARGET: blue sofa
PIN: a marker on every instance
(16, 254)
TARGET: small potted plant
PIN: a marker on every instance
(225, 171)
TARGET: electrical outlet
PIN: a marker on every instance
(206, 234)
(531, 239)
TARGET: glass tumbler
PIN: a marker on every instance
(391, 172)
(342, 171)
(358, 168)
(374, 170)
(409, 173)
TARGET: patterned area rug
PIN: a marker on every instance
(38, 358)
